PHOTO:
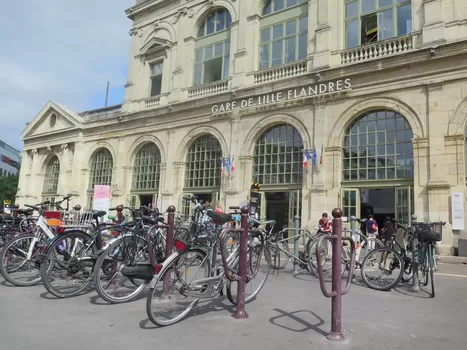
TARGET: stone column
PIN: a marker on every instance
(252, 49)
(245, 177)
(421, 172)
(238, 54)
(434, 28)
(322, 55)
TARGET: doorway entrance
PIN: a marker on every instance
(281, 207)
(395, 202)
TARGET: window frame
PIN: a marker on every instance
(152, 63)
(285, 8)
(151, 169)
(225, 59)
(270, 43)
(50, 186)
(227, 24)
(93, 177)
(377, 10)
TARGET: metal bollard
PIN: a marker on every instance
(15, 211)
(169, 238)
(337, 292)
(296, 241)
(416, 282)
(240, 312)
(119, 214)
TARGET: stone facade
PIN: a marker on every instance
(422, 76)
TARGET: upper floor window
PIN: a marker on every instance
(272, 6)
(216, 21)
(368, 21)
(212, 56)
(156, 78)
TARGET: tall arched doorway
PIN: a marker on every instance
(100, 172)
(378, 167)
(52, 174)
(278, 167)
(146, 174)
(202, 171)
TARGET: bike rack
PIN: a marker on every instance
(242, 277)
(337, 292)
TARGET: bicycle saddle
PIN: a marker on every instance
(152, 220)
(221, 218)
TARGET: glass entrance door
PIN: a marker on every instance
(350, 198)
(403, 205)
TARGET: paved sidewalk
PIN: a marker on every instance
(290, 313)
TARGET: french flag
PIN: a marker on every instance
(306, 156)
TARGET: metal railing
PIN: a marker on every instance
(102, 112)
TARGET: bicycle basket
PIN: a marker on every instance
(429, 232)
(76, 219)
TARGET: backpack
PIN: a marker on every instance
(374, 227)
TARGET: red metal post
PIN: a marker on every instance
(119, 214)
(169, 244)
(240, 312)
(336, 301)
(15, 211)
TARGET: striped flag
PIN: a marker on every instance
(306, 156)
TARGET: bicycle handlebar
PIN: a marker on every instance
(261, 222)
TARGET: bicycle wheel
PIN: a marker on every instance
(110, 283)
(15, 267)
(180, 277)
(254, 286)
(379, 264)
(325, 251)
(70, 276)
(279, 259)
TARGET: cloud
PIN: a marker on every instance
(64, 51)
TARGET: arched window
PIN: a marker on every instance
(101, 168)
(212, 56)
(203, 163)
(52, 173)
(368, 21)
(284, 35)
(278, 157)
(378, 146)
(146, 169)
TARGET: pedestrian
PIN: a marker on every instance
(371, 231)
(325, 224)
(388, 230)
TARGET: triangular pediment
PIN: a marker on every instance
(154, 45)
(53, 118)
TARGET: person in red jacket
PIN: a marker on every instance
(325, 223)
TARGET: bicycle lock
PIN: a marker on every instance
(241, 277)
(337, 291)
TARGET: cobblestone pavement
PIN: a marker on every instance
(290, 313)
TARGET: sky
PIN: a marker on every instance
(64, 51)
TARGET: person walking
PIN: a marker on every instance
(371, 231)
(388, 231)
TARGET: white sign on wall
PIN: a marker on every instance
(457, 207)
(101, 199)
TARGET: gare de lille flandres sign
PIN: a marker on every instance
(280, 96)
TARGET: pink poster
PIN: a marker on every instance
(101, 192)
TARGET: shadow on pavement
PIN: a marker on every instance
(48, 296)
(97, 300)
(297, 321)
(7, 284)
(203, 307)
(406, 289)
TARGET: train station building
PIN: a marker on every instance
(355, 104)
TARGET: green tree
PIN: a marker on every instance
(8, 188)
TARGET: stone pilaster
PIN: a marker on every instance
(434, 28)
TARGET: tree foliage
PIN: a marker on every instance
(8, 188)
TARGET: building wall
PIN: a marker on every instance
(11, 154)
(426, 83)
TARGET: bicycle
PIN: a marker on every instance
(203, 258)
(29, 247)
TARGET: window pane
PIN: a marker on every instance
(228, 20)
(290, 50)
(369, 26)
(302, 46)
(210, 24)
(383, 3)
(198, 73)
(199, 55)
(386, 25)
(266, 35)
(351, 9)
(220, 21)
(156, 84)
(292, 3)
(218, 49)
(404, 19)
(278, 5)
(303, 24)
(212, 70)
(267, 7)
(208, 52)
(226, 67)
(351, 33)
(277, 31)
(227, 47)
(368, 5)
(276, 53)
(291, 27)
(264, 57)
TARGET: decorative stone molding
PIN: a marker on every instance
(133, 31)
(176, 17)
